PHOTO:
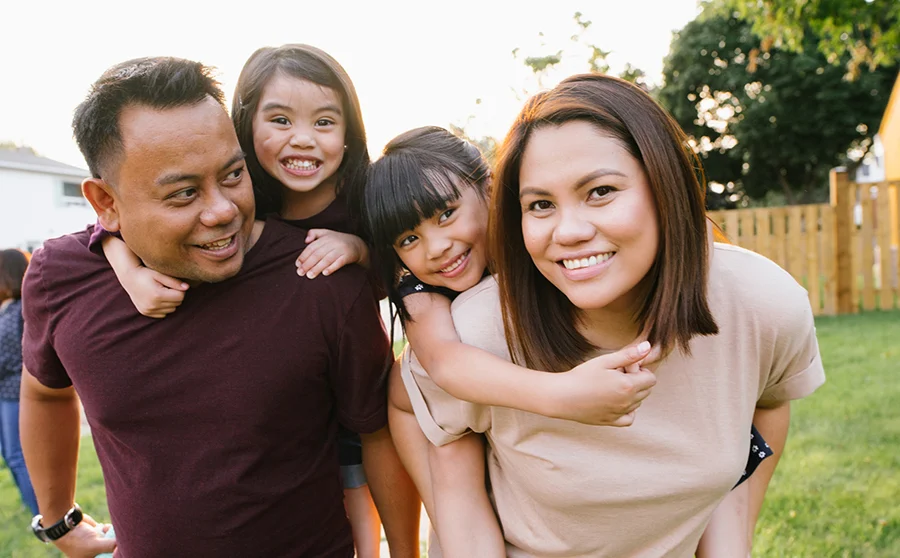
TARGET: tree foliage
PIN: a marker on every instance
(771, 120)
(860, 34)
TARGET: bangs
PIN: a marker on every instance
(401, 193)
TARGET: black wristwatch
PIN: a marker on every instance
(72, 518)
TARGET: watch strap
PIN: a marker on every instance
(48, 534)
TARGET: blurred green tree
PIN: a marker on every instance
(767, 124)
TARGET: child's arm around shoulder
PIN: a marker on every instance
(153, 294)
(598, 392)
(327, 251)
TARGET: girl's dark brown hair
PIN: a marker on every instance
(13, 264)
(541, 323)
(421, 172)
(311, 64)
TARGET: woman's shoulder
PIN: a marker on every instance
(747, 282)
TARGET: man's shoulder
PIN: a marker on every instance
(59, 257)
(280, 245)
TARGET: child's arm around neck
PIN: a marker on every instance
(153, 294)
(597, 392)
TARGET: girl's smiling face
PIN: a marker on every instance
(588, 216)
(448, 248)
(298, 136)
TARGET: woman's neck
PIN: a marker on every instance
(303, 205)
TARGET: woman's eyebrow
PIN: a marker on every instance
(586, 179)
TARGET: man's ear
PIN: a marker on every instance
(103, 199)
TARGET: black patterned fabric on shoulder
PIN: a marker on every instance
(759, 450)
(410, 284)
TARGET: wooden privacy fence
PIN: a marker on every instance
(844, 252)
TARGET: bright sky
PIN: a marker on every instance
(413, 62)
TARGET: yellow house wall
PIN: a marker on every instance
(890, 134)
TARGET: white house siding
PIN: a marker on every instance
(33, 208)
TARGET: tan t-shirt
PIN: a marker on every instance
(565, 489)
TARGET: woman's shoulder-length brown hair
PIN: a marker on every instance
(540, 322)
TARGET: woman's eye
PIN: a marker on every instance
(600, 191)
(324, 122)
(540, 205)
(446, 214)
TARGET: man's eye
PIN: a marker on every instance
(235, 175)
(184, 195)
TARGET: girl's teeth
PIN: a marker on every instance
(587, 262)
(297, 164)
(455, 264)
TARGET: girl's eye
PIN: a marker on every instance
(281, 120)
(324, 122)
(407, 240)
(446, 214)
(600, 191)
(540, 205)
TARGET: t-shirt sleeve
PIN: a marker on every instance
(442, 417)
(796, 369)
(361, 364)
(38, 353)
(95, 244)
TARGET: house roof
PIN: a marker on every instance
(25, 159)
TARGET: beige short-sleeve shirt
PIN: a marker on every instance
(565, 489)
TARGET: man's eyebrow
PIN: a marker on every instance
(586, 179)
(174, 178)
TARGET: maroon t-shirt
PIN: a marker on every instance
(215, 426)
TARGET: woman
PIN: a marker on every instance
(12, 268)
(599, 238)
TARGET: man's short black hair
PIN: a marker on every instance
(158, 83)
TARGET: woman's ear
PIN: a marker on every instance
(103, 198)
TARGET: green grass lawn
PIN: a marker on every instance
(836, 492)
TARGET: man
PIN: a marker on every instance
(215, 427)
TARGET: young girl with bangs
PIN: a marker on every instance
(426, 214)
(599, 236)
(298, 119)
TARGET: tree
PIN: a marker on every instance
(856, 33)
(767, 121)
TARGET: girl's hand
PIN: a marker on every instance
(605, 390)
(153, 294)
(328, 251)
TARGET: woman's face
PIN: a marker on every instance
(588, 217)
(447, 249)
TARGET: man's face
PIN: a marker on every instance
(183, 198)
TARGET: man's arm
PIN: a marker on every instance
(466, 523)
(50, 426)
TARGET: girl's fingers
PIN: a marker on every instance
(322, 264)
(169, 282)
(338, 263)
